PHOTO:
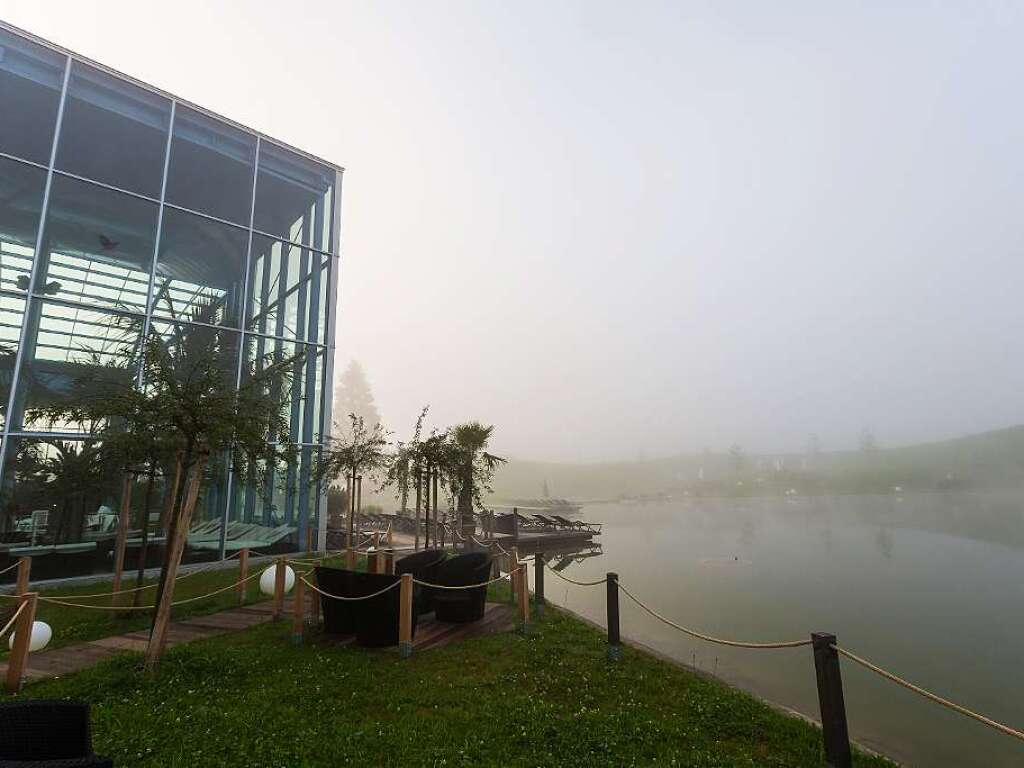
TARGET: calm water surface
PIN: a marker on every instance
(929, 586)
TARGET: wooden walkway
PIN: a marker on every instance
(430, 633)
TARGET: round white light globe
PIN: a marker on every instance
(41, 634)
(269, 578)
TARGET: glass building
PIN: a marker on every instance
(126, 211)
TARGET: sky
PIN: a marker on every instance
(618, 230)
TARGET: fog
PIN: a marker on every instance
(619, 230)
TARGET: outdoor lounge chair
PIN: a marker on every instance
(578, 525)
(460, 606)
(339, 618)
(547, 522)
(423, 567)
(47, 734)
(377, 618)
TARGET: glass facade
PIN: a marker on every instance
(125, 212)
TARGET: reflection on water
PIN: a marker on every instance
(930, 586)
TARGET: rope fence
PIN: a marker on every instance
(928, 694)
(13, 619)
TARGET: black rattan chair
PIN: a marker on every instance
(460, 606)
(339, 617)
(376, 618)
(423, 567)
(47, 734)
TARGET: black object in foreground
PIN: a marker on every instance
(47, 734)
(423, 567)
(460, 606)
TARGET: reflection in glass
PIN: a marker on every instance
(98, 246)
(113, 132)
(289, 499)
(286, 290)
(58, 496)
(200, 271)
(211, 167)
(12, 317)
(21, 199)
(294, 198)
(192, 347)
(300, 389)
(67, 349)
(31, 77)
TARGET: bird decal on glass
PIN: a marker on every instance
(107, 244)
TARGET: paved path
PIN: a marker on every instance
(58, 662)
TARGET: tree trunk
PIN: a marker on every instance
(169, 517)
(121, 540)
(144, 548)
(465, 503)
(162, 618)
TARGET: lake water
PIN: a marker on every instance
(930, 587)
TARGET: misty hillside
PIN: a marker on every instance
(991, 459)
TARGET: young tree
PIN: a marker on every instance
(352, 395)
(188, 407)
(470, 469)
(407, 461)
(358, 451)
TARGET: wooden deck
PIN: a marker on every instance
(430, 633)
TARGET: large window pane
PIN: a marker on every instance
(21, 199)
(211, 167)
(286, 290)
(294, 198)
(113, 132)
(12, 318)
(98, 246)
(193, 347)
(288, 498)
(68, 352)
(200, 272)
(61, 499)
(30, 81)
(300, 388)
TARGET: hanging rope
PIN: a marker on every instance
(13, 619)
(466, 586)
(573, 581)
(9, 568)
(709, 638)
(348, 599)
(928, 694)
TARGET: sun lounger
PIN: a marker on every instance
(578, 525)
(423, 567)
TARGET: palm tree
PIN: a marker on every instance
(472, 470)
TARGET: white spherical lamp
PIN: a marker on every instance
(41, 634)
(269, 578)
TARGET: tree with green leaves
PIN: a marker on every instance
(188, 408)
(470, 469)
(359, 450)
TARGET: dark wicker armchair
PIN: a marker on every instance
(460, 606)
(47, 734)
(423, 567)
(377, 618)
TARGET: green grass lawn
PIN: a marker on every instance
(545, 699)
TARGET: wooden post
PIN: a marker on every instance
(24, 571)
(513, 587)
(405, 595)
(614, 639)
(121, 542)
(830, 700)
(524, 598)
(515, 522)
(243, 574)
(350, 558)
(316, 601)
(17, 662)
(389, 561)
(299, 611)
(427, 527)
(279, 571)
(371, 560)
(391, 534)
(538, 581)
(309, 539)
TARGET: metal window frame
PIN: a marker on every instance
(34, 300)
